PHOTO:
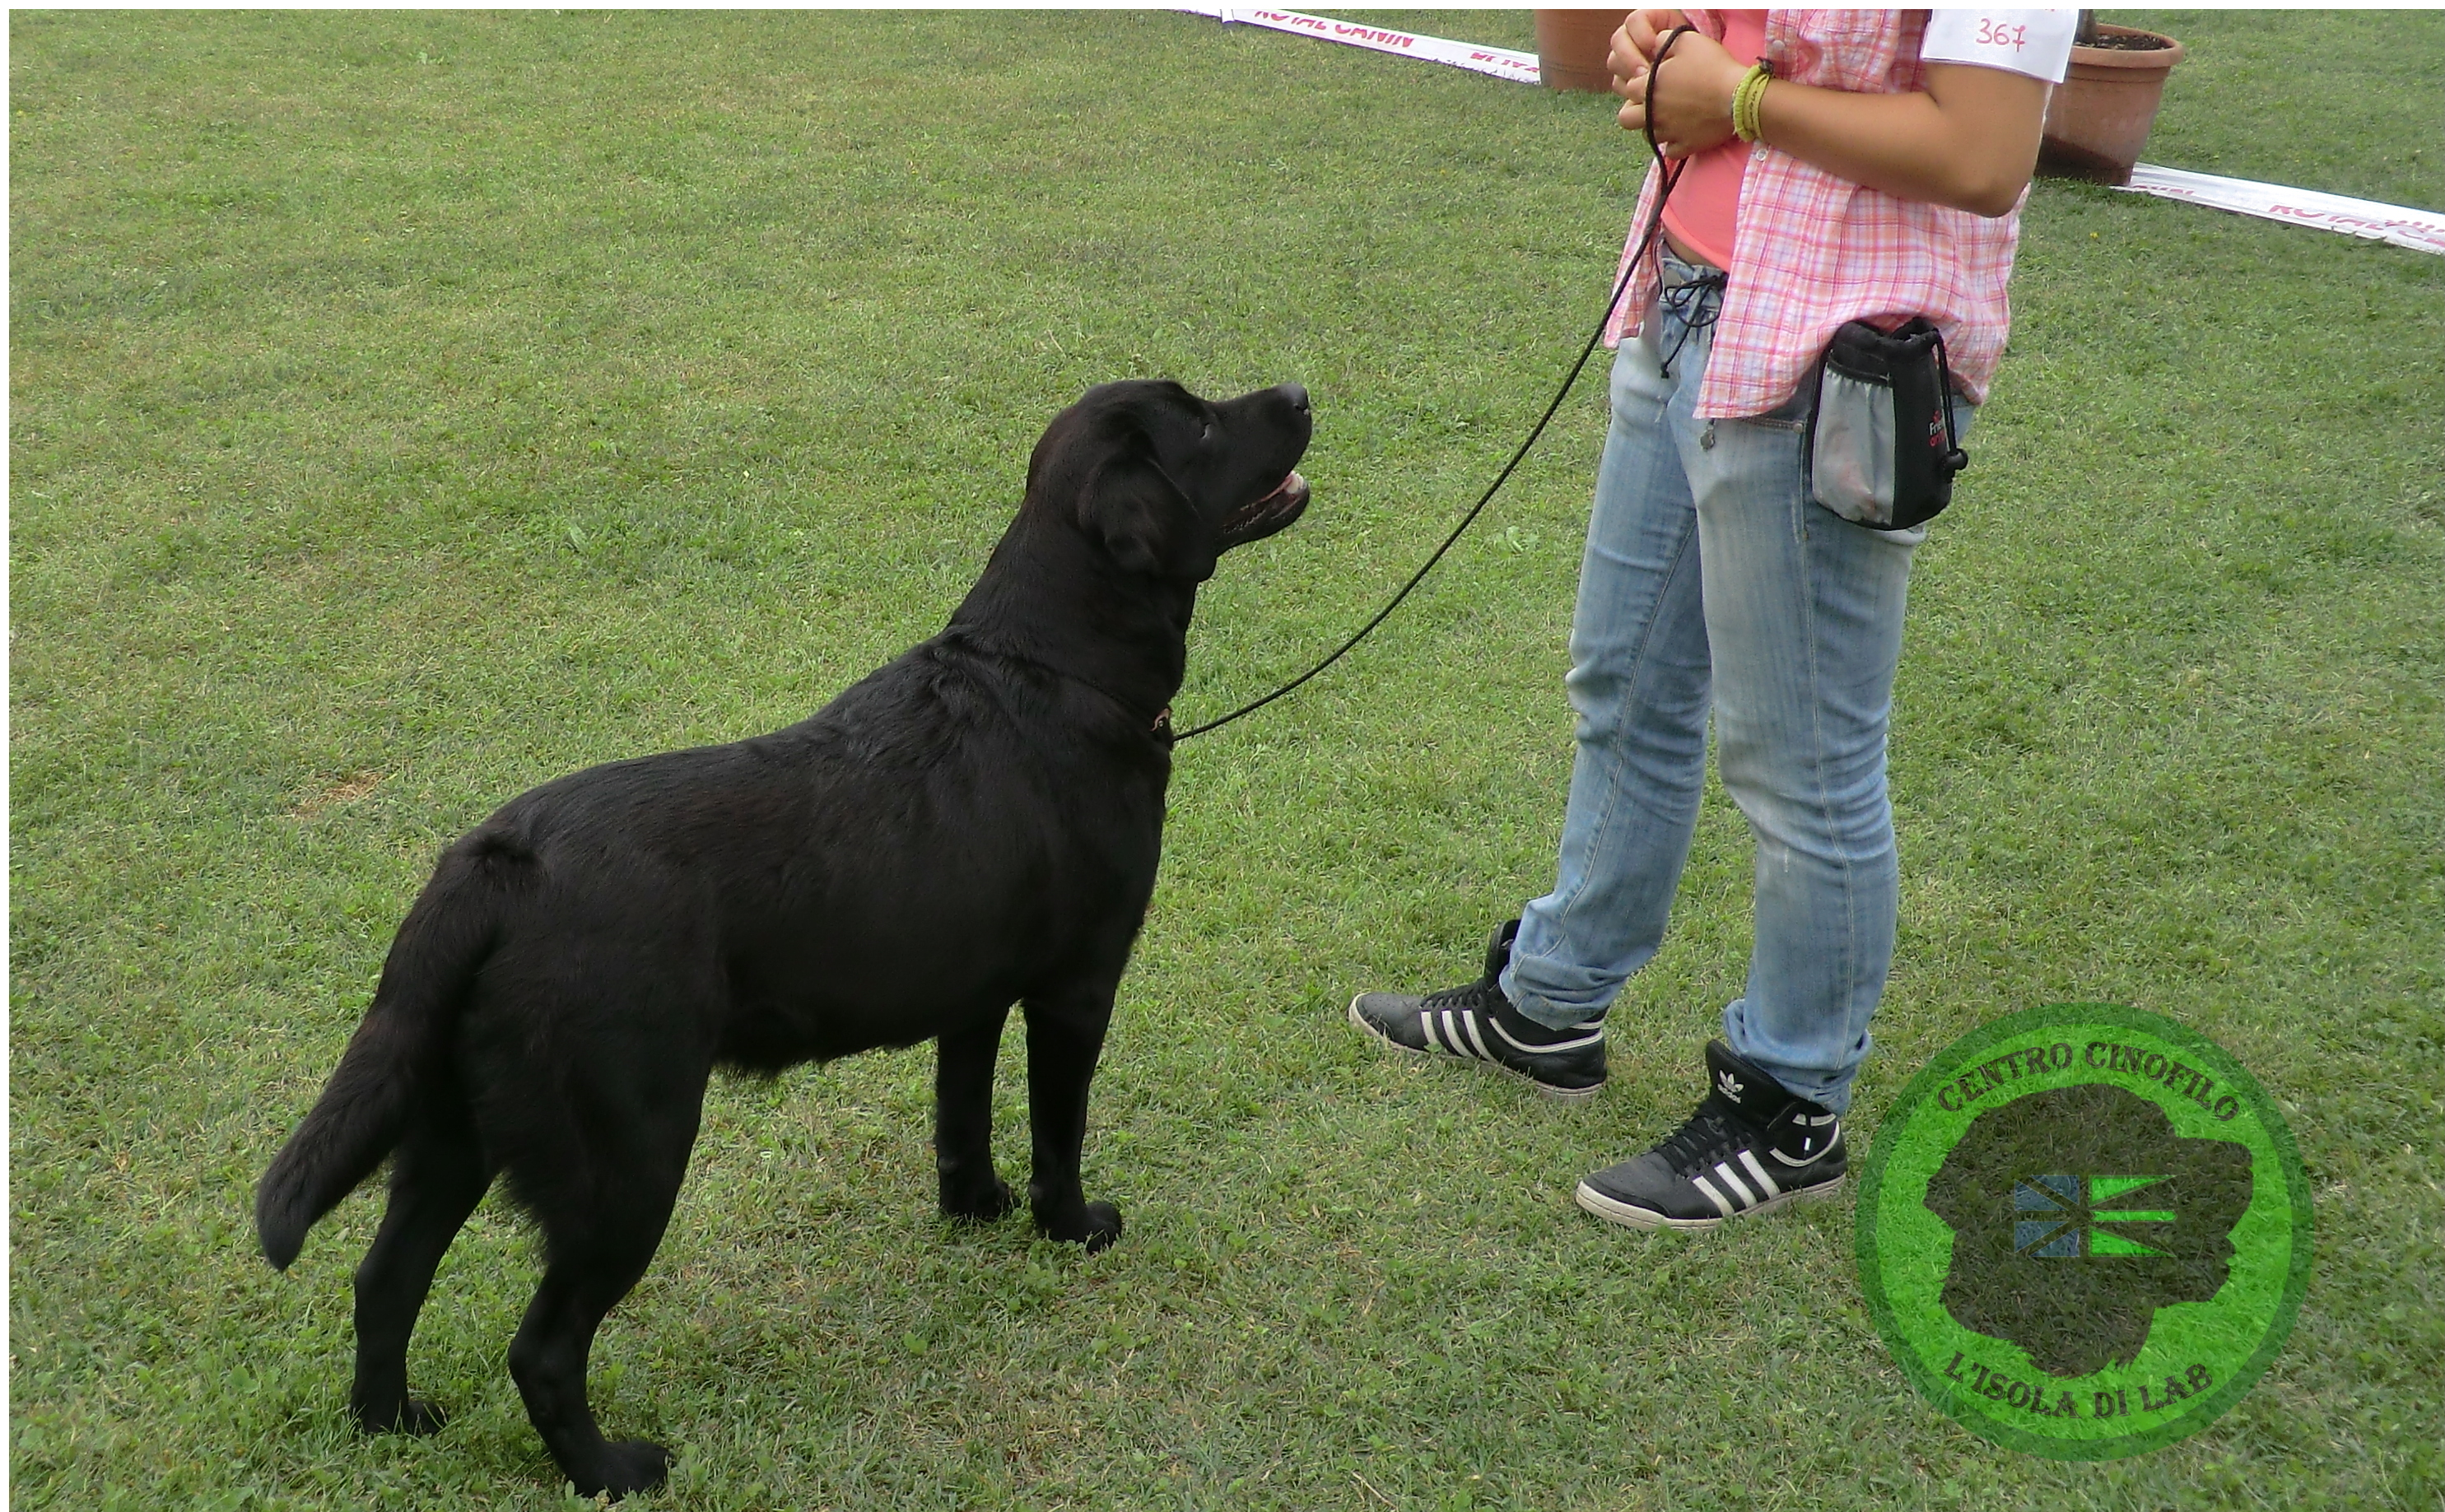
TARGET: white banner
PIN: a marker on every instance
(1499, 62)
(2420, 230)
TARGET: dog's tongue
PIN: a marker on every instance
(1292, 481)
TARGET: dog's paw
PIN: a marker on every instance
(980, 1205)
(629, 1464)
(410, 1416)
(420, 1417)
(1096, 1226)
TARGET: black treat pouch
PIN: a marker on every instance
(1881, 449)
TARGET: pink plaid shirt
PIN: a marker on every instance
(1815, 250)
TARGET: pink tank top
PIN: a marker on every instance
(1705, 205)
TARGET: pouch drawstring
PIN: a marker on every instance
(1689, 303)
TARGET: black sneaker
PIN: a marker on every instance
(1751, 1147)
(1477, 1023)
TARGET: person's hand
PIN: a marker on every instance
(1693, 96)
(1633, 48)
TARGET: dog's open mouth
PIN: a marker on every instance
(1255, 521)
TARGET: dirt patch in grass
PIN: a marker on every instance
(346, 790)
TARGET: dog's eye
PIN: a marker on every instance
(1209, 431)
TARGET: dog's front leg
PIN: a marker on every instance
(963, 1076)
(1065, 1034)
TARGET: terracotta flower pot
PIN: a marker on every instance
(1570, 47)
(2098, 118)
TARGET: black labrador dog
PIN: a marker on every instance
(974, 824)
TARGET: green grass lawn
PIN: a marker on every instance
(408, 409)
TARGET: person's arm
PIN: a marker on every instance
(1969, 141)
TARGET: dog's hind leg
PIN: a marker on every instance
(548, 1359)
(964, 1077)
(438, 1176)
(1065, 1034)
(601, 1180)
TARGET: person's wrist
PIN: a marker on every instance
(1728, 85)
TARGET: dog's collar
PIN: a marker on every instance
(1161, 727)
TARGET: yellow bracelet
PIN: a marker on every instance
(1745, 99)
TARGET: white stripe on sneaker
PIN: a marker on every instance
(1427, 1027)
(1732, 1180)
(1471, 1020)
(1451, 1035)
(1749, 1159)
(1580, 1043)
(1714, 1196)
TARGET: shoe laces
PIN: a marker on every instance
(1707, 1137)
(1476, 995)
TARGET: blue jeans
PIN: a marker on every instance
(1711, 580)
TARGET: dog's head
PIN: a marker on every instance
(1165, 482)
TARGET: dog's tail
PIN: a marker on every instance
(397, 1053)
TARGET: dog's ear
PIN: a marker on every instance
(1142, 517)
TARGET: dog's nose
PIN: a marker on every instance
(1296, 394)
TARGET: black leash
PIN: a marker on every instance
(1630, 269)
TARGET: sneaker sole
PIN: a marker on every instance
(1567, 1095)
(1629, 1216)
